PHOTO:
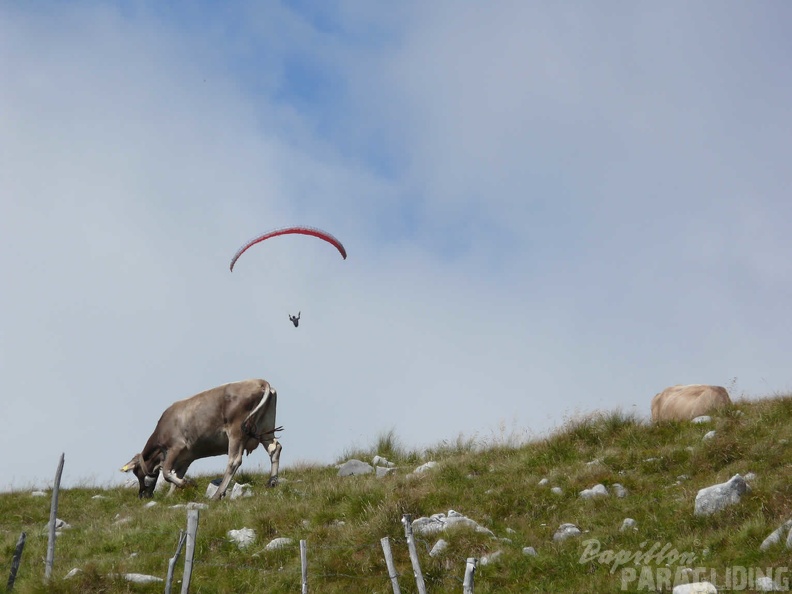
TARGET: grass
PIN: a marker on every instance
(494, 482)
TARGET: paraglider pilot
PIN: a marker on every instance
(295, 319)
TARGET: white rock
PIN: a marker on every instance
(38, 494)
(141, 578)
(695, 588)
(765, 583)
(619, 490)
(708, 435)
(72, 572)
(98, 497)
(529, 551)
(196, 505)
(383, 471)
(354, 468)
(211, 489)
(439, 522)
(627, 524)
(278, 543)
(556, 491)
(595, 491)
(150, 504)
(487, 559)
(751, 476)
(440, 546)
(702, 419)
(59, 525)
(543, 482)
(380, 461)
(241, 490)
(776, 536)
(243, 537)
(566, 531)
(715, 498)
(424, 467)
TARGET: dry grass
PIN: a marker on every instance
(493, 481)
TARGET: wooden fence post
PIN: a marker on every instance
(192, 529)
(470, 569)
(419, 581)
(304, 566)
(173, 560)
(394, 577)
(15, 561)
(53, 517)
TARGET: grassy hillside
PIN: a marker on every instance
(343, 519)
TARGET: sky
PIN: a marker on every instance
(550, 209)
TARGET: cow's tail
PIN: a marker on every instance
(249, 424)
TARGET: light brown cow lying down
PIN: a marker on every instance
(682, 403)
(230, 419)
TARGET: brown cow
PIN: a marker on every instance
(682, 403)
(228, 419)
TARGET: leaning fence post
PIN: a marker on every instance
(173, 560)
(419, 581)
(15, 561)
(394, 577)
(53, 517)
(470, 569)
(192, 529)
(304, 566)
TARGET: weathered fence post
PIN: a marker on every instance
(304, 566)
(53, 517)
(419, 581)
(15, 561)
(192, 529)
(394, 577)
(173, 560)
(470, 569)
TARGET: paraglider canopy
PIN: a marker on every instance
(312, 231)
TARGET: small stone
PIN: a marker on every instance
(556, 491)
(440, 546)
(566, 531)
(708, 435)
(702, 419)
(243, 537)
(529, 551)
(278, 543)
(628, 524)
(354, 468)
(543, 482)
(595, 491)
(619, 490)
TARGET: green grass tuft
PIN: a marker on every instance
(493, 481)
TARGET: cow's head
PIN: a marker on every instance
(146, 475)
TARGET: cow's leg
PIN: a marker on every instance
(173, 472)
(180, 471)
(235, 449)
(273, 449)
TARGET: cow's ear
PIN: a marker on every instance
(131, 464)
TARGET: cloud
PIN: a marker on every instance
(545, 212)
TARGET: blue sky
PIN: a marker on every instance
(549, 209)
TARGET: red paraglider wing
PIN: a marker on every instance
(288, 231)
